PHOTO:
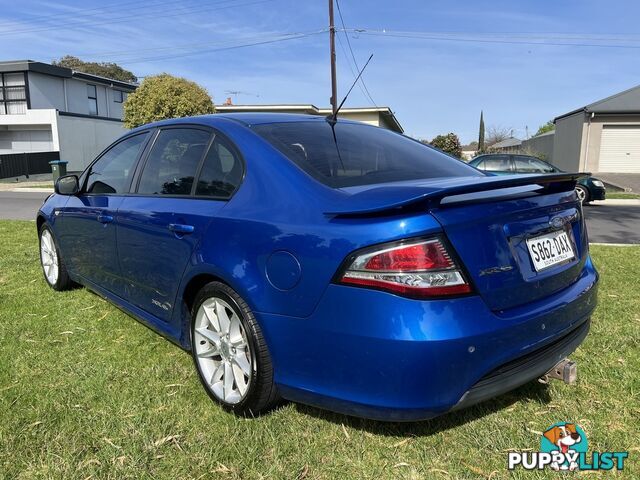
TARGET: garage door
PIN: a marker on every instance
(620, 149)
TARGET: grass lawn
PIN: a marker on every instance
(38, 185)
(623, 195)
(88, 392)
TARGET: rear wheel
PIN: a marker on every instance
(53, 266)
(230, 353)
(583, 194)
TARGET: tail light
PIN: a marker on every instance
(418, 269)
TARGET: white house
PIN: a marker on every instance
(49, 112)
(378, 116)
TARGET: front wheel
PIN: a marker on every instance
(230, 353)
(583, 194)
(53, 266)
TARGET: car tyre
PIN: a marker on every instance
(230, 353)
(53, 265)
(583, 194)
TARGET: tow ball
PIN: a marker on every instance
(565, 370)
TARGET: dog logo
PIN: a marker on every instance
(568, 439)
(564, 448)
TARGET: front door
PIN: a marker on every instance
(87, 229)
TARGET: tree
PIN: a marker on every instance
(547, 127)
(103, 69)
(497, 134)
(449, 143)
(481, 146)
(165, 96)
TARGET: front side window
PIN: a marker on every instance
(497, 163)
(173, 162)
(13, 93)
(351, 154)
(221, 172)
(92, 97)
(112, 173)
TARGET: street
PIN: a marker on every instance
(613, 223)
(607, 223)
(20, 205)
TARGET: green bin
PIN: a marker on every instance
(58, 169)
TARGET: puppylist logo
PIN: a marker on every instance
(563, 447)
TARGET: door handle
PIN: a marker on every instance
(181, 229)
(105, 218)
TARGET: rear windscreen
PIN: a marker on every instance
(359, 154)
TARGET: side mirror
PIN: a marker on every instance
(67, 185)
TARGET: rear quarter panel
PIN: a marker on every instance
(241, 255)
(279, 208)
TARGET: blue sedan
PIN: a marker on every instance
(330, 263)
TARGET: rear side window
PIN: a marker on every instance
(173, 162)
(526, 164)
(221, 172)
(359, 154)
(112, 172)
(499, 163)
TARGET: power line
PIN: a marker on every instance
(186, 10)
(526, 35)
(344, 30)
(187, 46)
(129, 18)
(431, 36)
(353, 72)
(544, 36)
(84, 12)
(232, 47)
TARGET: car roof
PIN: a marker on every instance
(248, 119)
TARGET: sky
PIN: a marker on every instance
(436, 64)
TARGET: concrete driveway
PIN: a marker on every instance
(611, 221)
(623, 180)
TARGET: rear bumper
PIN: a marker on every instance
(372, 354)
(524, 369)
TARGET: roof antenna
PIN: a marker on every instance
(333, 118)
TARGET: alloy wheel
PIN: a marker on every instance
(49, 257)
(222, 350)
(582, 194)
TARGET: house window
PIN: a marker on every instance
(118, 96)
(13, 93)
(92, 96)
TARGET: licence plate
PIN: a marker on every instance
(550, 249)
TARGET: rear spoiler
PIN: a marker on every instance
(381, 199)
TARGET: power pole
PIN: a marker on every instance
(332, 46)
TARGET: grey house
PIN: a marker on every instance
(46, 109)
(603, 136)
(508, 145)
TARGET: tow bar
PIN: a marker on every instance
(565, 370)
